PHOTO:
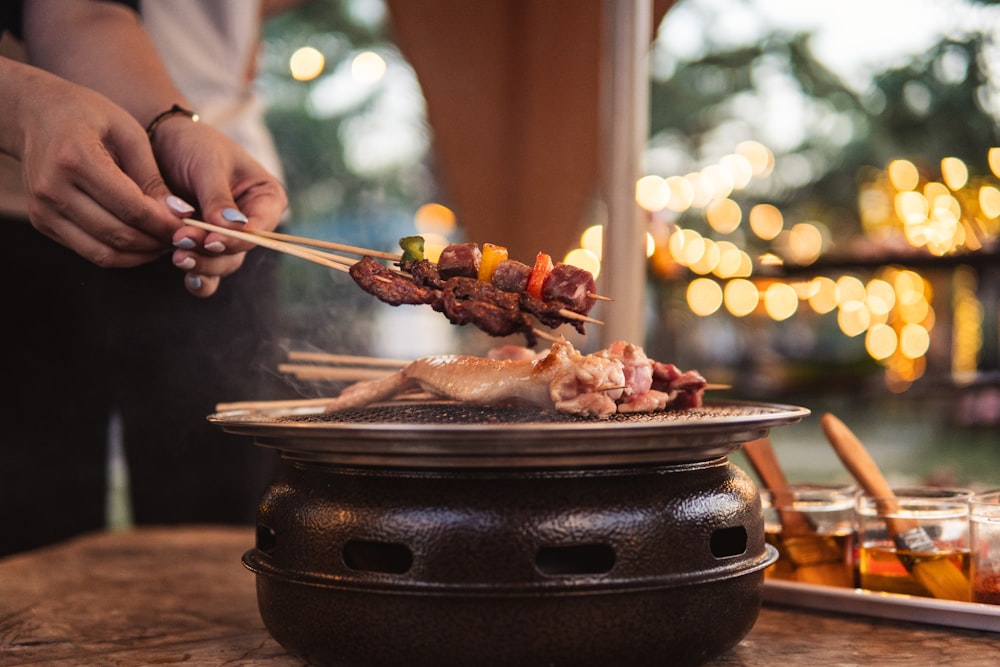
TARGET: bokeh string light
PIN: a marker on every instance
(958, 213)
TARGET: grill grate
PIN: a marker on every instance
(456, 413)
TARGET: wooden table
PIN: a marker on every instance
(180, 595)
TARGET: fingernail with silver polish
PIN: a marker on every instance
(184, 243)
(194, 282)
(185, 264)
(232, 215)
(215, 246)
(178, 205)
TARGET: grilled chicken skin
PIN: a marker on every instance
(618, 379)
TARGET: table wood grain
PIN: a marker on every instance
(179, 595)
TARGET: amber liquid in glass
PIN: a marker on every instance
(880, 569)
(785, 567)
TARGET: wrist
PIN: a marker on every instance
(17, 80)
(175, 111)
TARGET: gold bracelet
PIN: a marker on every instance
(176, 110)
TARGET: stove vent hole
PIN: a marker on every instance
(729, 542)
(381, 557)
(266, 540)
(576, 559)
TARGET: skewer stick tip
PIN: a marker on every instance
(573, 315)
(545, 335)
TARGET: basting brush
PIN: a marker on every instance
(816, 557)
(914, 547)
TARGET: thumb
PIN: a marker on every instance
(135, 158)
(219, 208)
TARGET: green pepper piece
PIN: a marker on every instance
(413, 248)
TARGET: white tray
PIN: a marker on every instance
(968, 615)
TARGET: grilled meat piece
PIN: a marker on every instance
(511, 276)
(688, 386)
(619, 379)
(390, 286)
(463, 300)
(424, 273)
(570, 286)
(460, 259)
(547, 313)
(562, 379)
(469, 300)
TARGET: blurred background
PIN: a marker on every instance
(820, 185)
(869, 220)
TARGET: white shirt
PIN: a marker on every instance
(210, 49)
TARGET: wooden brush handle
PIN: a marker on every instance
(859, 462)
(761, 455)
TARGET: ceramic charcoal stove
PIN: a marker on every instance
(442, 534)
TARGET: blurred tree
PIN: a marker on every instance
(933, 105)
(323, 184)
(927, 109)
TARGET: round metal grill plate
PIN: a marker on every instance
(436, 434)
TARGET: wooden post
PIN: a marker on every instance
(624, 128)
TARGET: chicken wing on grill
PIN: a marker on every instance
(619, 379)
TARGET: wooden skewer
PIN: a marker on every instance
(331, 245)
(294, 403)
(599, 297)
(293, 245)
(326, 357)
(265, 405)
(326, 259)
(545, 335)
(278, 242)
(313, 372)
(572, 315)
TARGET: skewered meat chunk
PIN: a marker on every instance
(688, 385)
(511, 276)
(570, 286)
(424, 273)
(638, 369)
(460, 259)
(427, 274)
(389, 286)
(547, 313)
(619, 379)
(469, 300)
(461, 300)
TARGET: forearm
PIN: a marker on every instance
(103, 46)
(26, 90)
(15, 81)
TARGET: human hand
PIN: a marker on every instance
(91, 181)
(230, 188)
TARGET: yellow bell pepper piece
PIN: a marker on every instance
(492, 255)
